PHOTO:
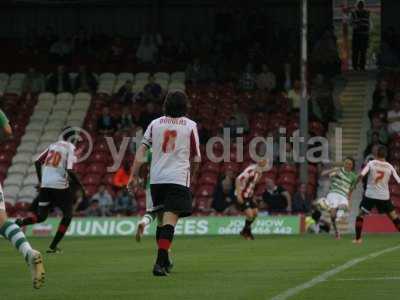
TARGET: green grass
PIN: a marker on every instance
(205, 268)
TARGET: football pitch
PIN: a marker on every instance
(284, 267)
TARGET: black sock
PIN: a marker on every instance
(158, 230)
(396, 223)
(164, 243)
(247, 224)
(333, 221)
(359, 226)
(62, 229)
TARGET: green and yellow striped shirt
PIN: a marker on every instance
(343, 182)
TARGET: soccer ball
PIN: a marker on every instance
(322, 203)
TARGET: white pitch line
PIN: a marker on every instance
(368, 279)
(324, 276)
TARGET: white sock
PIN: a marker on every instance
(146, 219)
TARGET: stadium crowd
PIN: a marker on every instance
(260, 82)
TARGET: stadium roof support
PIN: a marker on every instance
(304, 96)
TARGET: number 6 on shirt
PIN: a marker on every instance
(169, 139)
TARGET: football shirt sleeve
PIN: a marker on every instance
(148, 136)
(3, 119)
(366, 169)
(195, 145)
(71, 158)
(395, 175)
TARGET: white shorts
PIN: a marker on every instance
(2, 200)
(149, 201)
(335, 200)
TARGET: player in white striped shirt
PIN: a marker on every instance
(244, 192)
(377, 193)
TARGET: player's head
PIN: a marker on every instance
(381, 153)
(349, 164)
(68, 134)
(360, 4)
(175, 105)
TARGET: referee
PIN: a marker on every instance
(361, 28)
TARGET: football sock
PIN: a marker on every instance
(247, 224)
(146, 219)
(158, 230)
(333, 221)
(359, 226)
(29, 221)
(164, 243)
(14, 234)
(396, 223)
(62, 229)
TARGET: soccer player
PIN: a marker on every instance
(12, 232)
(343, 181)
(176, 155)
(150, 214)
(54, 170)
(377, 193)
(245, 184)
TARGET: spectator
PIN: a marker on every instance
(104, 199)
(85, 81)
(59, 81)
(94, 209)
(301, 202)
(382, 97)
(224, 194)
(61, 51)
(393, 116)
(152, 90)
(378, 127)
(125, 93)
(81, 203)
(121, 177)
(374, 142)
(247, 81)
(116, 51)
(33, 83)
(194, 72)
(238, 120)
(126, 121)
(266, 80)
(125, 204)
(106, 123)
(294, 95)
(148, 115)
(147, 50)
(276, 199)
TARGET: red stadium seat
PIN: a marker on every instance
(205, 191)
(91, 189)
(92, 179)
(21, 206)
(208, 178)
(10, 209)
(80, 168)
(96, 168)
(203, 203)
(287, 179)
(210, 167)
(108, 179)
(291, 188)
(100, 156)
(287, 169)
(395, 190)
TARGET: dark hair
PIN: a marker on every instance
(360, 4)
(352, 161)
(382, 152)
(67, 133)
(175, 104)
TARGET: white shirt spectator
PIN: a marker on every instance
(393, 118)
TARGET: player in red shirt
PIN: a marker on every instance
(245, 185)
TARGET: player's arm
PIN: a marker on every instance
(330, 172)
(195, 156)
(38, 164)
(363, 173)
(238, 190)
(75, 179)
(395, 175)
(5, 125)
(140, 159)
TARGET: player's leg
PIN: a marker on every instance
(366, 206)
(13, 233)
(166, 235)
(148, 217)
(388, 208)
(254, 214)
(42, 212)
(65, 203)
(333, 215)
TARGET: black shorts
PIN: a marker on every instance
(171, 197)
(61, 198)
(248, 203)
(383, 206)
